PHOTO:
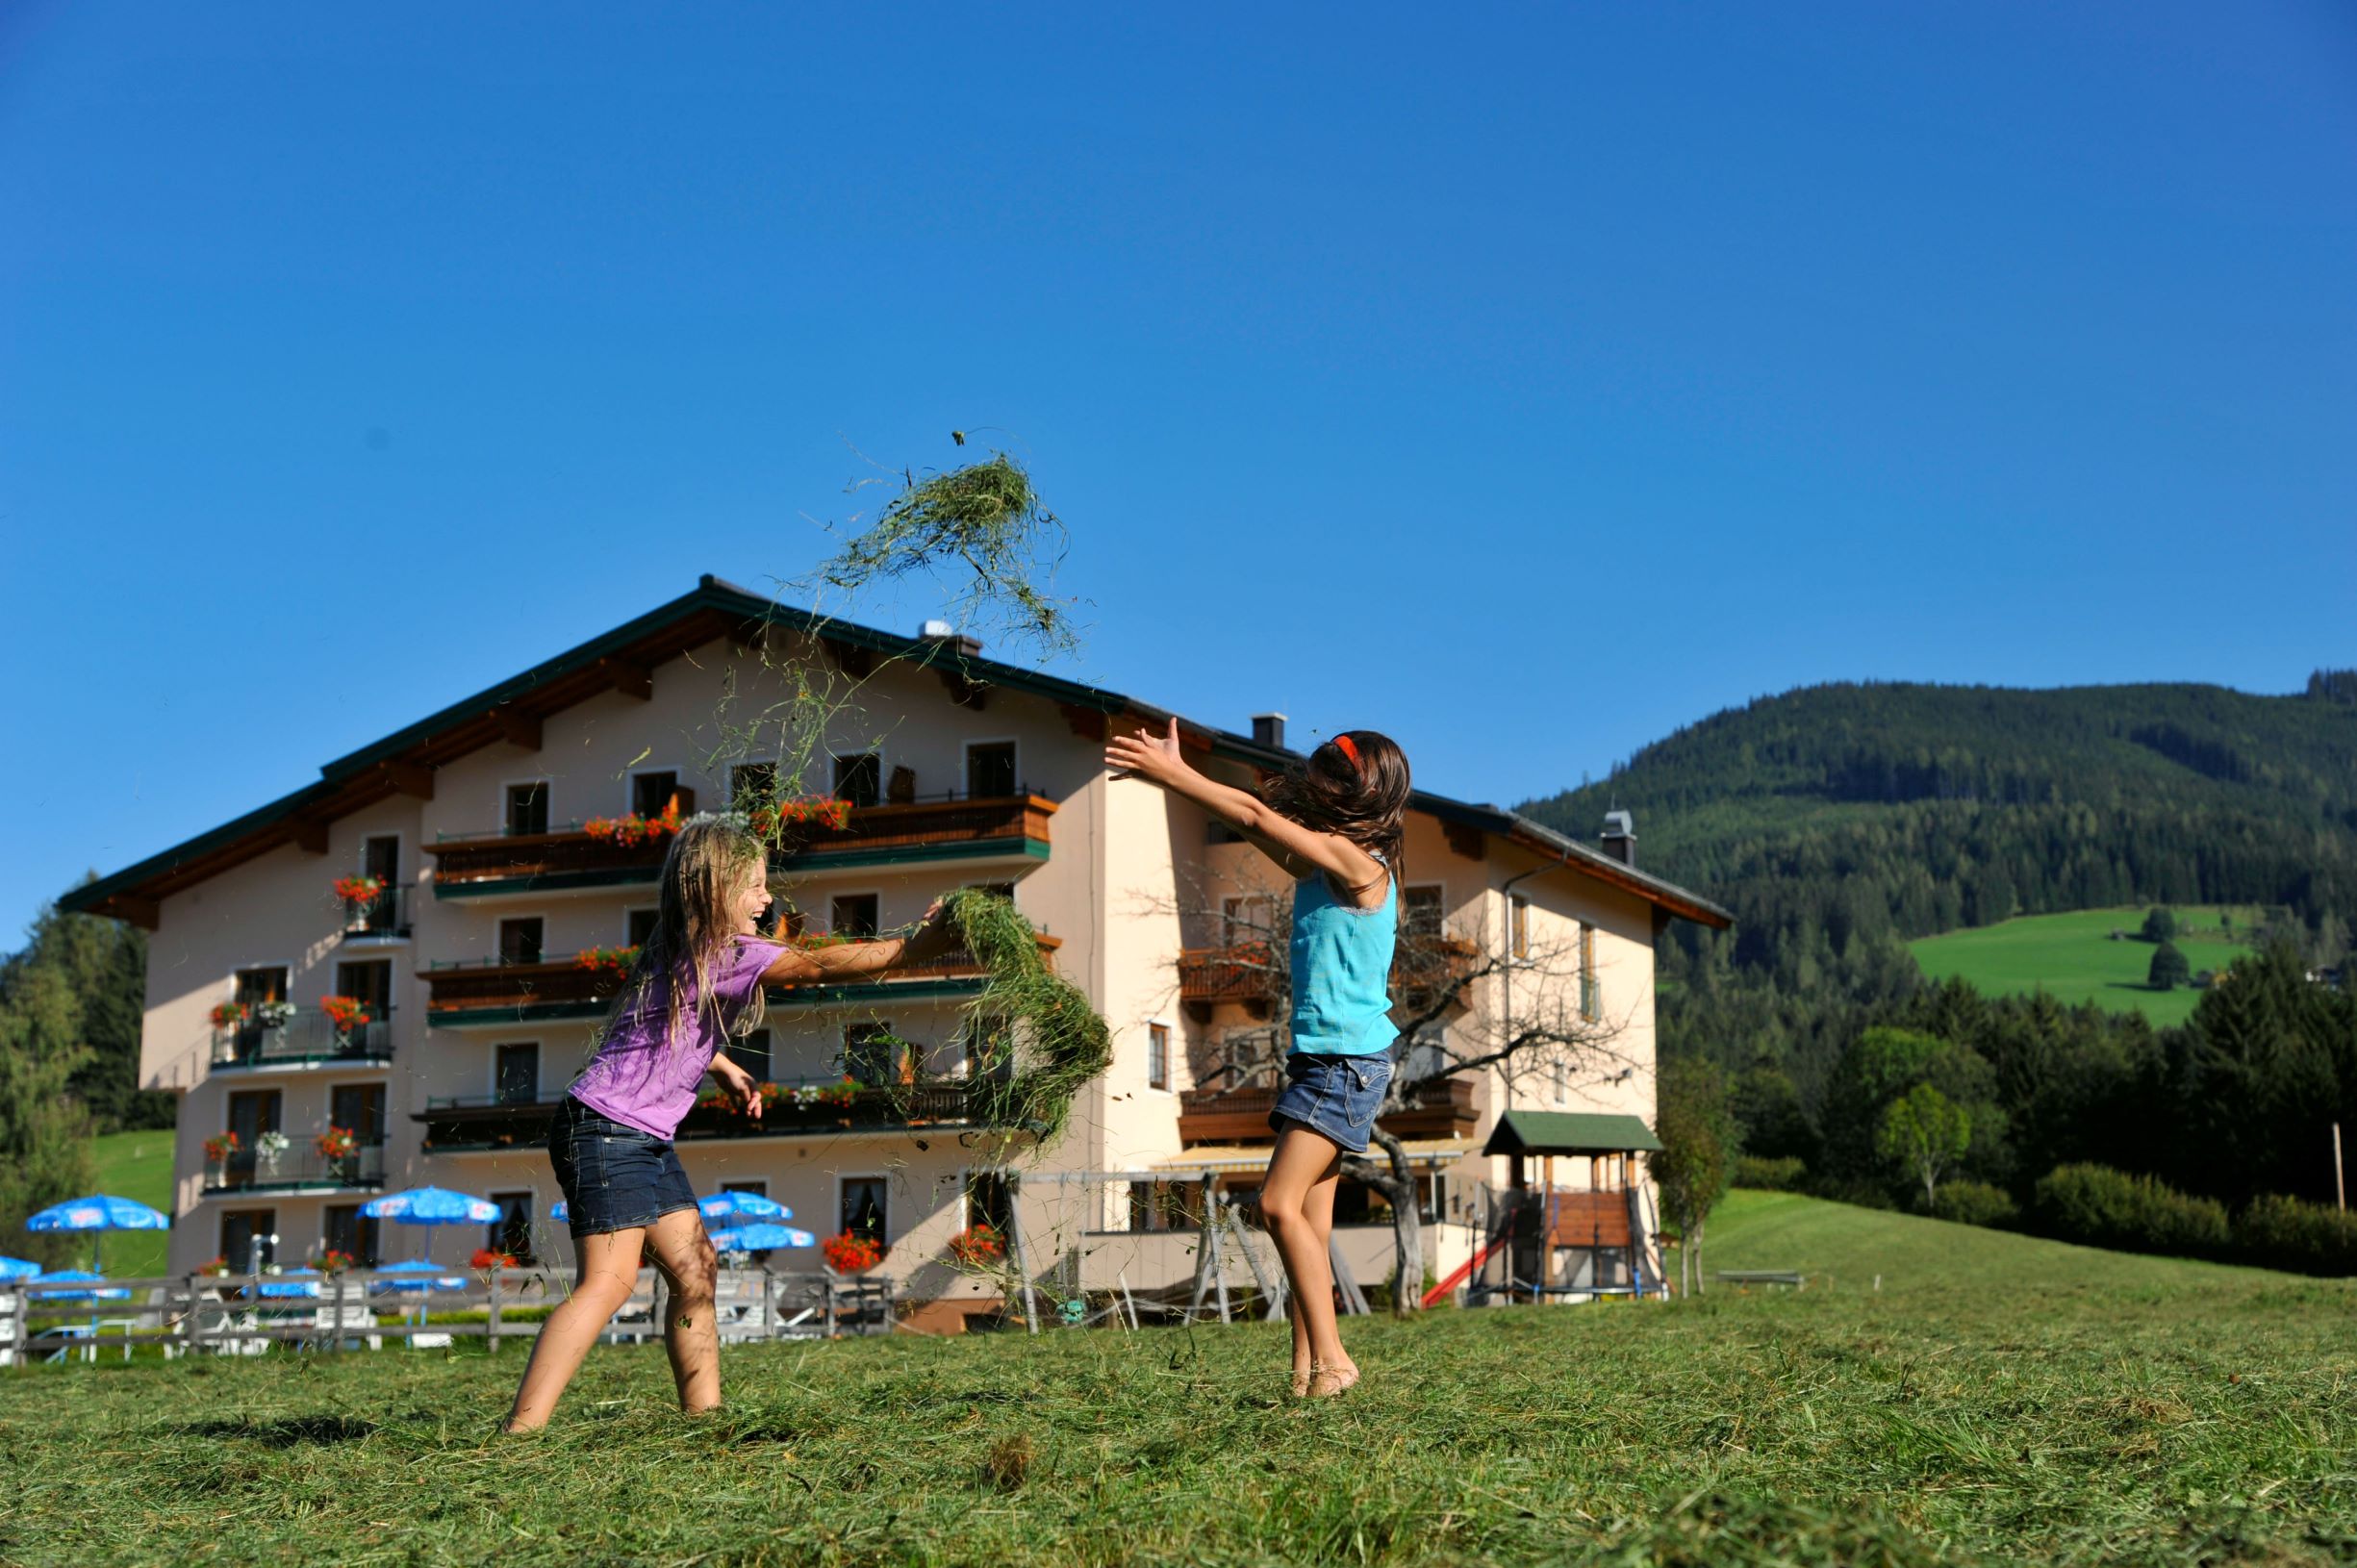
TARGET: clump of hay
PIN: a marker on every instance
(982, 522)
(1060, 1042)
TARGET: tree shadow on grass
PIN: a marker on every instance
(290, 1431)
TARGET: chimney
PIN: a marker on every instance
(1269, 729)
(1620, 837)
(941, 631)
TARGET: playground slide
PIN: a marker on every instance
(1464, 1271)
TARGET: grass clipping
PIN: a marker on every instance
(983, 522)
(1059, 1042)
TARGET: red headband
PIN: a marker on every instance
(1350, 750)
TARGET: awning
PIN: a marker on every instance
(1569, 1132)
(1221, 1160)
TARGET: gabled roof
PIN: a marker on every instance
(1569, 1132)
(622, 660)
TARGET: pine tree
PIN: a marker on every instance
(44, 1133)
(2169, 970)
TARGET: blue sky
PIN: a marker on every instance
(1525, 380)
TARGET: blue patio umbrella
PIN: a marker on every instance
(742, 1205)
(432, 1206)
(418, 1266)
(292, 1282)
(760, 1238)
(81, 1275)
(99, 1212)
(17, 1267)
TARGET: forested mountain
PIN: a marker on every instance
(1839, 820)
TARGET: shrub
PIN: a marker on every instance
(2103, 1207)
(1974, 1202)
(2286, 1233)
(1784, 1175)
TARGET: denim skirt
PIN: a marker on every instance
(615, 1176)
(1335, 1097)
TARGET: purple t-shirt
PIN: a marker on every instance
(643, 1082)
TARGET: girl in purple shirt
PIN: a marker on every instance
(696, 982)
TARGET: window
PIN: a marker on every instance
(1519, 930)
(990, 1200)
(753, 1053)
(1591, 1003)
(1158, 1055)
(1427, 1053)
(516, 1072)
(344, 1229)
(990, 769)
(359, 1108)
(864, 1207)
(380, 857)
(751, 784)
(253, 1112)
(527, 808)
(988, 1047)
(652, 793)
(641, 925)
(369, 981)
(256, 986)
(1002, 889)
(1246, 919)
(1420, 911)
(519, 940)
(512, 1231)
(759, 1187)
(854, 915)
(242, 1229)
(872, 1054)
(856, 778)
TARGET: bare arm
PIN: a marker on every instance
(846, 960)
(1300, 850)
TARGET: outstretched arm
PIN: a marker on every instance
(1301, 851)
(801, 966)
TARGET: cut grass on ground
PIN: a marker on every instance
(1999, 1400)
(2074, 958)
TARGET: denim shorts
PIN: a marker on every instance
(1335, 1097)
(615, 1178)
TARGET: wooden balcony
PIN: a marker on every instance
(489, 1122)
(1252, 973)
(1011, 828)
(496, 994)
(1440, 1109)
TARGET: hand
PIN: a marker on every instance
(737, 1085)
(1154, 758)
(932, 938)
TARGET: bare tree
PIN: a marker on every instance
(1463, 1000)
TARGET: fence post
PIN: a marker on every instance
(491, 1328)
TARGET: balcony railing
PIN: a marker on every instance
(557, 989)
(384, 918)
(307, 1038)
(298, 1169)
(1441, 1108)
(488, 1121)
(483, 864)
(1253, 972)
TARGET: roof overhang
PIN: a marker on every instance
(1570, 1133)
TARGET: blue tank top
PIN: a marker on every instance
(1342, 970)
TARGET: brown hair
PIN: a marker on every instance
(709, 861)
(1356, 785)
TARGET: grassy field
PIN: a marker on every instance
(2073, 957)
(139, 1166)
(1996, 1399)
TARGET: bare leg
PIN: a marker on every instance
(609, 1271)
(684, 1254)
(1303, 1160)
(1319, 1207)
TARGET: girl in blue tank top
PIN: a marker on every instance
(1335, 825)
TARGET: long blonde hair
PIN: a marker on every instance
(709, 861)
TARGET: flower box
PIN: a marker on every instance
(850, 1253)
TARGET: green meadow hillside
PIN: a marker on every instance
(2081, 957)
